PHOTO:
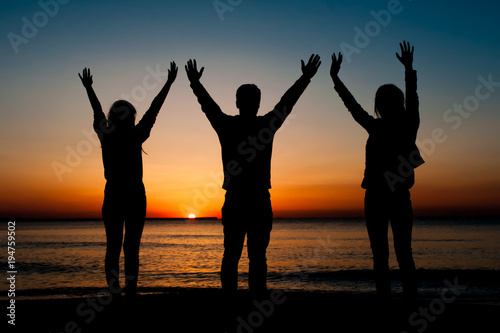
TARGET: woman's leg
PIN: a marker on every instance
(377, 224)
(134, 226)
(402, 224)
(113, 224)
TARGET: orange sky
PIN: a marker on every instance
(176, 189)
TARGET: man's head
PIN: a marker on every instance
(248, 99)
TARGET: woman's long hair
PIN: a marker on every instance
(389, 102)
(122, 114)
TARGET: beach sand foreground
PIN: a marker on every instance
(206, 310)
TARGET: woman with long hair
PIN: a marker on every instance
(124, 195)
(391, 157)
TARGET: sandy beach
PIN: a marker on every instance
(206, 310)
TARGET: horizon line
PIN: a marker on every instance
(46, 219)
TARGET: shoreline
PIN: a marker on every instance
(476, 283)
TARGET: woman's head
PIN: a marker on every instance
(389, 101)
(122, 114)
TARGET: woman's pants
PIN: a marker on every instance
(382, 206)
(123, 207)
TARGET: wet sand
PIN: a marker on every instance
(207, 310)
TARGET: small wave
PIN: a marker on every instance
(46, 268)
(59, 245)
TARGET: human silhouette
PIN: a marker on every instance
(391, 157)
(124, 194)
(246, 142)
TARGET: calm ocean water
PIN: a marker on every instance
(328, 255)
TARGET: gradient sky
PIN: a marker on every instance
(318, 158)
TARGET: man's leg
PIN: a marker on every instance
(234, 238)
(258, 236)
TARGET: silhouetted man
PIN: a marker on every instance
(246, 142)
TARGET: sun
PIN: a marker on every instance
(192, 216)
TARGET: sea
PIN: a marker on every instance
(66, 258)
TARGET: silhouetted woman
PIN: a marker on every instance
(391, 157)
(124, 194)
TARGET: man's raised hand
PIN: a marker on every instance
(336, 62)
(192, 72)
(312, 66)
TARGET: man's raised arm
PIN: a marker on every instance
(292, 95)
(208, 105)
